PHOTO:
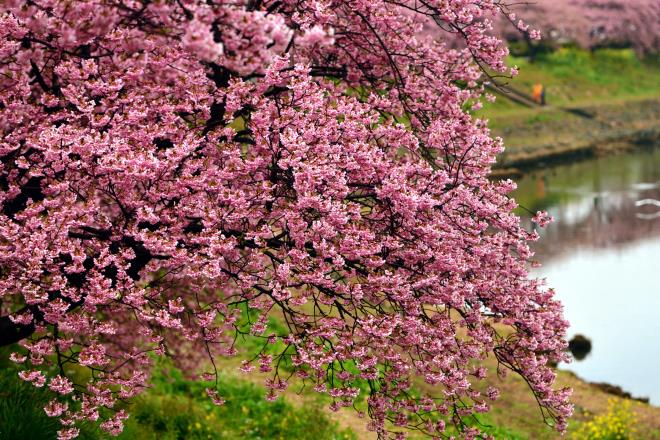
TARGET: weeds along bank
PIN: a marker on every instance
(176, 408)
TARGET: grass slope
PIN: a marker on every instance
(597, 101)
(177, 408)
(575, 77)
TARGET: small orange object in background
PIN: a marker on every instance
(538, 93)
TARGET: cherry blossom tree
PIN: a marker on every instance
(176, 172)
(589, 23)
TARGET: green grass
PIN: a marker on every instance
(21, 412)
(488, 426)
(575, 77)
(175, 408)
(21, 408)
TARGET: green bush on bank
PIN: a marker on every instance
(177, 408)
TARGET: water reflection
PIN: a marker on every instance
(648, 202)
(602, 256)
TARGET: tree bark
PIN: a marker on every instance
(10, 332)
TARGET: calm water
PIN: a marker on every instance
(602, 256)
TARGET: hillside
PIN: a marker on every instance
(602, 100)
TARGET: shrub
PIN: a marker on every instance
(618, 423)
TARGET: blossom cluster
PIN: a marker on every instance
(589, 23)
(173, 173)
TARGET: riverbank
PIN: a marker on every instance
(599, 257)
(517, 410)
(535, 137)
(597, 102)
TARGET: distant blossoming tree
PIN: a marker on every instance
(175, 172)
(589, 23)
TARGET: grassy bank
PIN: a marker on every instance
(597, 101)
(177, 408)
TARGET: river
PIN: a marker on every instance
(602, 256)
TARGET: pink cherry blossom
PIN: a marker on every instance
(542, 218)
(55, 408)
(115, 425)
(93, 355)
(215, 396)
(589, 23)
(61, 385)
(68, 433)
(36, 377)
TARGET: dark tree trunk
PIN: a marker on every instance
(10, 332)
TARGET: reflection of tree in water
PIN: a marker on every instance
(610, 220)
